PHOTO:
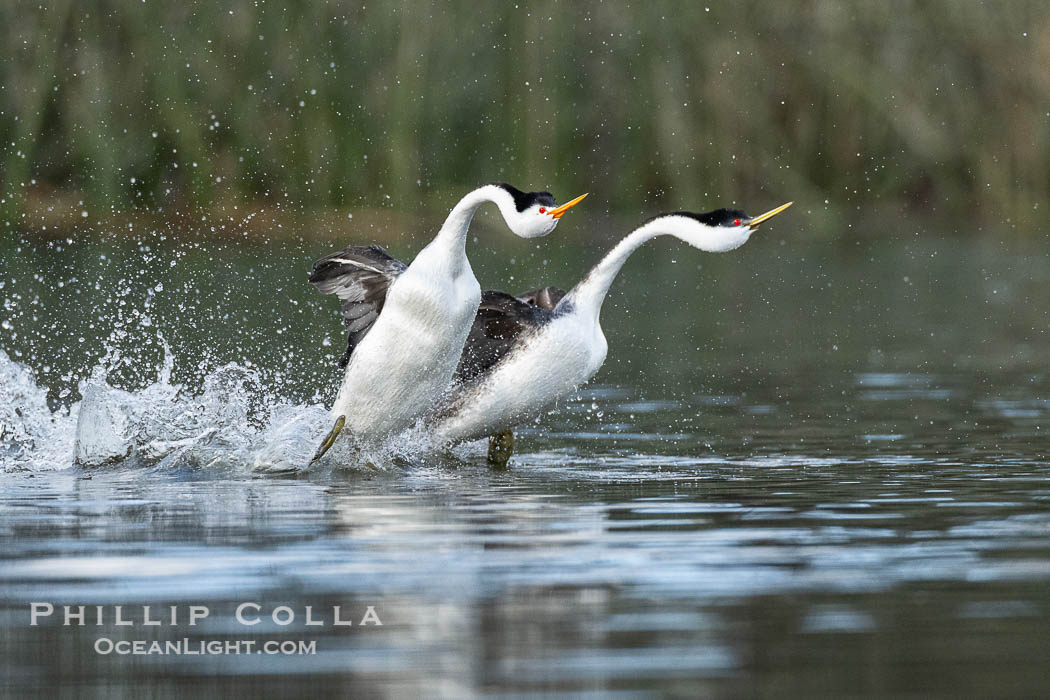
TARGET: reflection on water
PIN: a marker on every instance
(819, 494)
(571, 572)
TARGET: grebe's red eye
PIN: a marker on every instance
(736, 222)
(543, 210)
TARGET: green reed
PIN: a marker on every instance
(856, 110)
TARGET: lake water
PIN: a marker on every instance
(813, 470)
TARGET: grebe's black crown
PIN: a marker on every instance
(524, 200)
(718, 217)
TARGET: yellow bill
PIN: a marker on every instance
(754, 223)
(560, 211)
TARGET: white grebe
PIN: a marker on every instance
(407, 324)
(524, 354)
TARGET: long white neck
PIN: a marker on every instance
(452, 237)
(588, 295)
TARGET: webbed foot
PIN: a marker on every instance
(501, 447)
(329, 440)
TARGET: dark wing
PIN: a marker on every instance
(499, 325)
(360, 277)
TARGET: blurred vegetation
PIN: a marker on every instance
(856, 110)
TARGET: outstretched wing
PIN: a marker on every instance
(499, 325)
(360, 277)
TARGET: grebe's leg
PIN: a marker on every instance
(501, 447)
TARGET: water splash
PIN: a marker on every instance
(232, 425)
(87, 380)
(31, 436)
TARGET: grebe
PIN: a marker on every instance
(525, 353)
(407, 323)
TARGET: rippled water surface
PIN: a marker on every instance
(816, 471)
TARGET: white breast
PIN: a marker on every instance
(549, 366)
(406, 361)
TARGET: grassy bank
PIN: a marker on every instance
(862, 110)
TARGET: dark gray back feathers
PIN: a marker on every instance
(544, 297)
(500, 324)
